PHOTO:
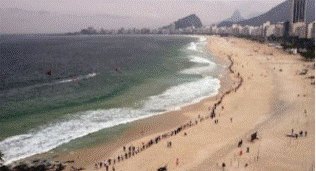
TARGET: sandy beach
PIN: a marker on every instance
(264, 91)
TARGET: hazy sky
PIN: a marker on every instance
(148, 8)
(154, 12)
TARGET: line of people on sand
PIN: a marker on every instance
(301, 134)
(132, 150)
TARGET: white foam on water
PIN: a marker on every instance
(202, 39)
(183, 94)
(197, 46)
(192, 46)
(48, 137)
(199, 70)
(55, 134)
(74, 79)
(198, 59)
(81, 77)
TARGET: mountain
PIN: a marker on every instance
(235, 17)
(191, 20)
(254, 14)
(276, 14)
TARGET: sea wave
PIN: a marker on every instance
(203, 39)
(198, 59)
(183, 94)
(201, 69)
(66, 80)
(193, 46)
(197, 46)
(48, 137)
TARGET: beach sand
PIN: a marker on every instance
(271, 98)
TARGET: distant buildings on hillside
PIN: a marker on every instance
(296, 27)
(299, 29)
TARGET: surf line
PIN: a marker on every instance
(131, 151)
(240, 81)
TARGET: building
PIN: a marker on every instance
(270, 30)
(279, 29)
(222, 30)
(298, 11)
(311, 30)
(299, 30)
(214, 29)
(298, 17)
(245, 31)
(236, 29)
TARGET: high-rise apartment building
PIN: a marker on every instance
(298, 11)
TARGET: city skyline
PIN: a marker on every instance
(151, 13)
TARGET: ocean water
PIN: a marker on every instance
(54, 89)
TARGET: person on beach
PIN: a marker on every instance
(239, 143)
(169, 144)
(177, 162)
(109, 161)
(231, 119)
(223, 165)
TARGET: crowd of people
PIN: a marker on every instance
(132, 150)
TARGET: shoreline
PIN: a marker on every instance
(174, 118)
(273, 80)
(227, 81)
(231, 82)
(261, 104)
(273, 97)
